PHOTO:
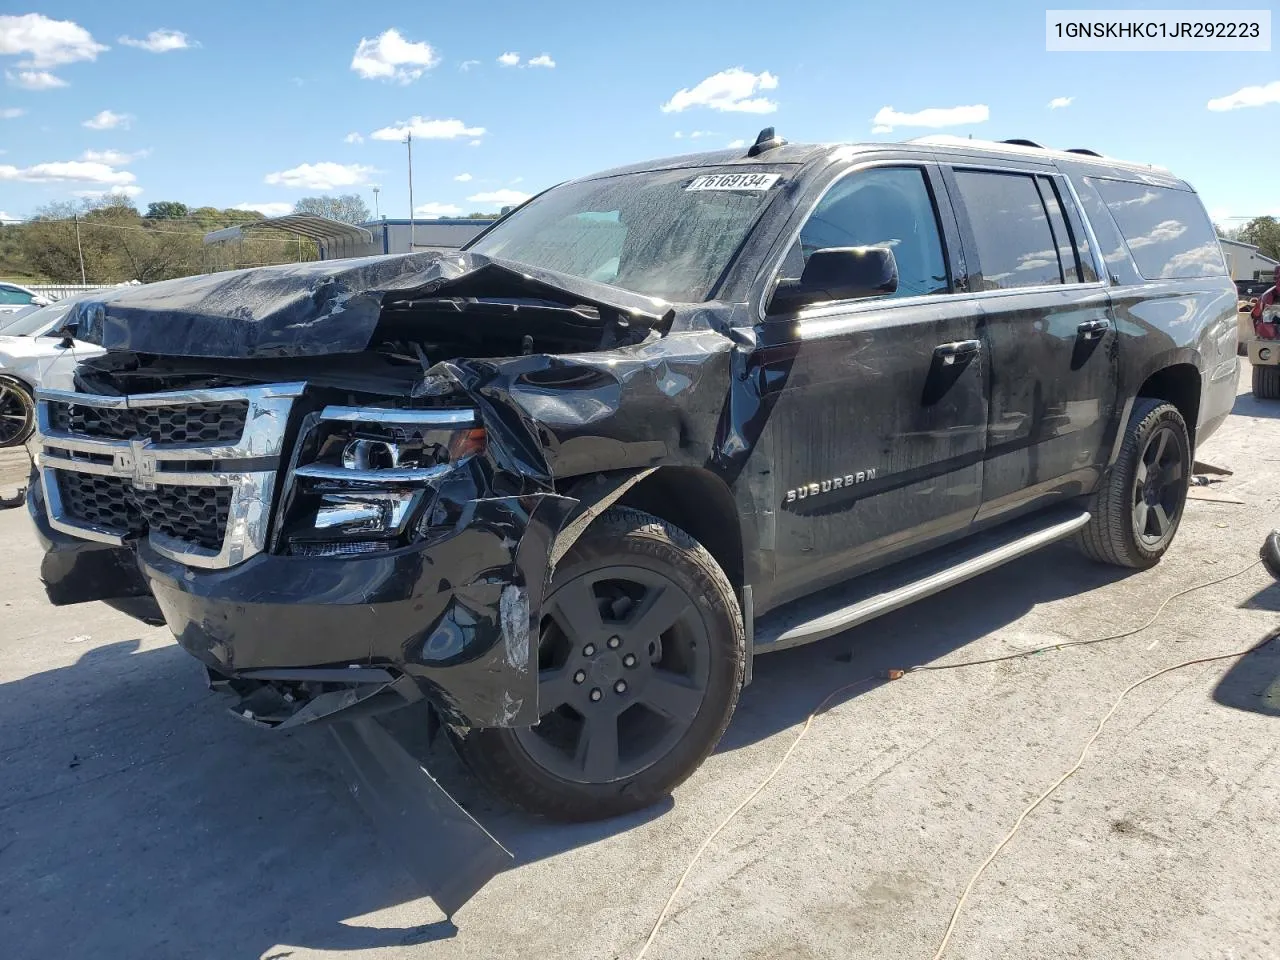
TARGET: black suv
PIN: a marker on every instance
(564, 484)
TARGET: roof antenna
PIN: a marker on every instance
(767, 140)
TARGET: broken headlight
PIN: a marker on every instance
(368, 476)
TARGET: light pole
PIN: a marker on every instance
(376, 214)
(408, 139)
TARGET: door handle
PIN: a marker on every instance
(1093, 329)
(949, 353)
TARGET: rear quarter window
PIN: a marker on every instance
(1167, 231)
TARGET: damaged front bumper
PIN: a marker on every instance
(302, 638)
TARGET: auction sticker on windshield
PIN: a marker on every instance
(734, 181)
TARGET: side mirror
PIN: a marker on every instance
(838, 273)
(40, 300)
(68, 333)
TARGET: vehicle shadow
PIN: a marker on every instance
(1247, 405)
(1253, 682)
(133, 802)
(790, 683)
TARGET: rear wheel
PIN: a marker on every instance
(1136, 511)
(17, 413)
(640, 663)
(1266, 383)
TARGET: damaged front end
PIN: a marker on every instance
(333, 512)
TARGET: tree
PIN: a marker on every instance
(349, 207)
(483, 216)
(1263, 233)
(166, 210)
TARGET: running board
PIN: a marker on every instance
(872, 595)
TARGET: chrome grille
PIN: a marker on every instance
(192, 471)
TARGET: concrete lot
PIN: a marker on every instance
(138, 819)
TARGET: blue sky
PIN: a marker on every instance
(255, 103)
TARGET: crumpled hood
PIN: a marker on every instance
(317, 308)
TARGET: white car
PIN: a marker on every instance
(31, 358)
(14, 298)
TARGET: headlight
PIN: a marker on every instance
(367, 477)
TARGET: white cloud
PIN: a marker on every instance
(161, 41)
(499, 198)
(389, 56)
(353, 138)
(888, 118)
(694, 134)
(543, 61)
(11, 113)
(735, 144)
(6, 217)
(509, 59)
(515, 180)
(423, 129)
(1248, 97)
(1057, 103)
(474, 143)
(35, 80)
(44, 42)
(733, 90)
(112, 158)
(108, 120)
(468, 64)
(438, 210)
(273, 208)
(69, 171)
(463, 178)
(321, 176)
(126, 191)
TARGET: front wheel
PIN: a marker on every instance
(17, 413)
(640, 662)
(1136, 511)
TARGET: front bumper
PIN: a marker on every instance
(302, 637)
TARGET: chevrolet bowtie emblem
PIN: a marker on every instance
(137, 464)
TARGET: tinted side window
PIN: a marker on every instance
(1167, 231)
(883, 207)
(1061, 235)
(1010, 228)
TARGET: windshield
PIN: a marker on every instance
(667, 234)
(37, 323)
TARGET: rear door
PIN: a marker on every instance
(880, 417)
(1049, 333)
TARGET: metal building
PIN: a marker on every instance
(1244, 262)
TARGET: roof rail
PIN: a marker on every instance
(1019, 142)
(1084, 150)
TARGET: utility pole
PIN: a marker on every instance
(412, 226)
(377, 215)
(80, 252)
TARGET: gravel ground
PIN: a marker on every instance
(137, 818)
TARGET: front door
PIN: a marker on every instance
(1050, 336)
(879, 426)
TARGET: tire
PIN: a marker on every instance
(1266, 383)
(17, 413)
(628, 567)
(1153, 471)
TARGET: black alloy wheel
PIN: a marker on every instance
(17, 413)
(623, 670)
(1159, 486)
(640, 661)
(1137, 507)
